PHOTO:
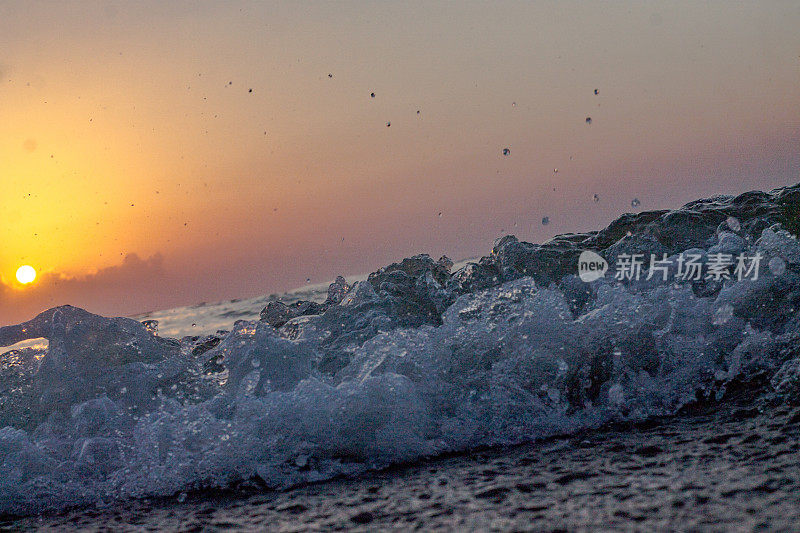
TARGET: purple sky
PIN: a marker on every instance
(139, 171)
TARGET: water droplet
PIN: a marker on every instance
(330, 75)
(506, 151)
(194, 325)
(417, 111)
(388, 124)
(308, 280)
(596, 198)
(372, 95)
(588, 120)
(555, 171)
(777, 266)
(596, 91)
(723, 314)
(635, 202)
(181, 497)
(250, 90)
(440, 214)
(513, 104)
(733, 223)
(616, 395)
(545, 221)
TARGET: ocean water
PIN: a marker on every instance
(726, 467)
(421, 359)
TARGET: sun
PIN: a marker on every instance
(26, 274)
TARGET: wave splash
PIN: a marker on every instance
(413, 362)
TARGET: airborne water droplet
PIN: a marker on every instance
(596, 198)
(635, 202)
(588, 120)
(777, 266)
(545, 221)
(506, 151)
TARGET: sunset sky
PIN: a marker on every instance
(154, 154)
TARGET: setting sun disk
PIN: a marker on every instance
(26, 274)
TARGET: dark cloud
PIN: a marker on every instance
(121, 289)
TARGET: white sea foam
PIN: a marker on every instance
(109, 411)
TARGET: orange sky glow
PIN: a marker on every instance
(154, 154)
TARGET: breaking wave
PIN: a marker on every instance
(412, 362)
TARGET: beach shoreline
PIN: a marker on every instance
(730, 466)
